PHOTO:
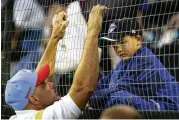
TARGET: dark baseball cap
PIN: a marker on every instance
(122, 27)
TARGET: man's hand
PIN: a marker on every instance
(95, 19)
(60, 25)
(53, 11)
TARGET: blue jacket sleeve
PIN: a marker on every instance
(99, 96)
(142, 77)
(103, 82)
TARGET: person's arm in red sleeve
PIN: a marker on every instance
(50, 51)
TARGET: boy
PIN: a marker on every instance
(140, 79)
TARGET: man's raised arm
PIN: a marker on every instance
(50, 51)
(86, 75)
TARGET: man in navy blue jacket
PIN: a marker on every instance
(140, 79)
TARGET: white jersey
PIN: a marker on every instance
(70, 48)
(62, 109)
(28, 14)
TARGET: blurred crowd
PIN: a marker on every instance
(33, 21)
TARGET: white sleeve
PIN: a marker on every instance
(62, 109)
(21, 12)
(28, 14)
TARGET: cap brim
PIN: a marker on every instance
(43, 74)
(108, 39)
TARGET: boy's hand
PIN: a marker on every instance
(95, 19)
(60, 26)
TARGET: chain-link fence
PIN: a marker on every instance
(26, 28)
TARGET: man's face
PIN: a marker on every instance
(127, 48)
(46, 94)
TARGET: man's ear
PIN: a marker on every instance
(33, 99)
